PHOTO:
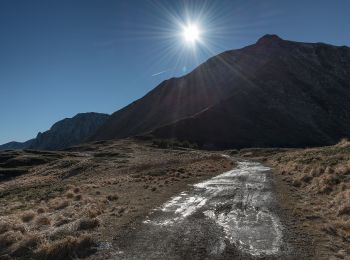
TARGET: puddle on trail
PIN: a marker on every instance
(239, 201)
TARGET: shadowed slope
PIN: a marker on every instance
(272, 93)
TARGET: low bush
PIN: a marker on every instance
(67, 248)
(28, 216)
(88, 223)
(43, 221)
(171, 143)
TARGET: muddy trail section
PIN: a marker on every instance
(234, 215)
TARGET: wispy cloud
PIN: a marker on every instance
(158, 73)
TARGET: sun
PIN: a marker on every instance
(191, 33)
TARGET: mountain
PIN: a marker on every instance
(64, 133)
(272, 93)
(293, 95)
(69, 131)
(16, 145)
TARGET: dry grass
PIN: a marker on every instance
(78, 197)
(43, 221)
(8, 238)
(67, 248)
(61, 220)
(28, 216)
(26, 246)
(69, 195)
(41, 210)
(112, 197)
(60, 204)
(4, 226)
(67, 206)
(344, 142)
(321, 176)
(94, 210)
(88, 223)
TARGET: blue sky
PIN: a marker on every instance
(62, 57)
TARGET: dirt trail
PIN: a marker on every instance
(231, 216)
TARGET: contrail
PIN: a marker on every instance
(158, 73)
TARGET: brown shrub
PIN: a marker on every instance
(306, 178)
(41, 210)
(329, 170)
(28, 216)
(88, 223)
(344, 142)
(78, 197)
(93, 212)
(67, 248)
(343, 228)
(76, 190)
(61, 204)
(4, 226)
(344, 210)
(43, 221)
(61, 221)
(69, 195)
(296, 183)
(26, 246)
(112, 197)
(18, 227)
(329, 229)
(342, 200)
(8, 238)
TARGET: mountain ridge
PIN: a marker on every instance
(64, 133)
(268, 70)
(299, 90)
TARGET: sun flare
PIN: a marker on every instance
(191, 33)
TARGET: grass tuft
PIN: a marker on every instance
(67, 248)
(88, 223)
(43, 221)
(28, 216)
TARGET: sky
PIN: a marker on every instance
(63, 57)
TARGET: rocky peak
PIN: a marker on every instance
(268, 39)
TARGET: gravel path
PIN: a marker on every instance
(231, 216)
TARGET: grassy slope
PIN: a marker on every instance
(65, 203)
(319, 181)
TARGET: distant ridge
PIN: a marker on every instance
(64, 133)
(16, 145)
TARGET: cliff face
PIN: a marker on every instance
(69, 131)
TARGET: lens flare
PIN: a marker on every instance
(191, 33)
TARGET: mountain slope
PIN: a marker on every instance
(272, 93)
(69, 131)
(298, 95)
(171, 100)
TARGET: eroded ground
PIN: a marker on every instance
(61, 205)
